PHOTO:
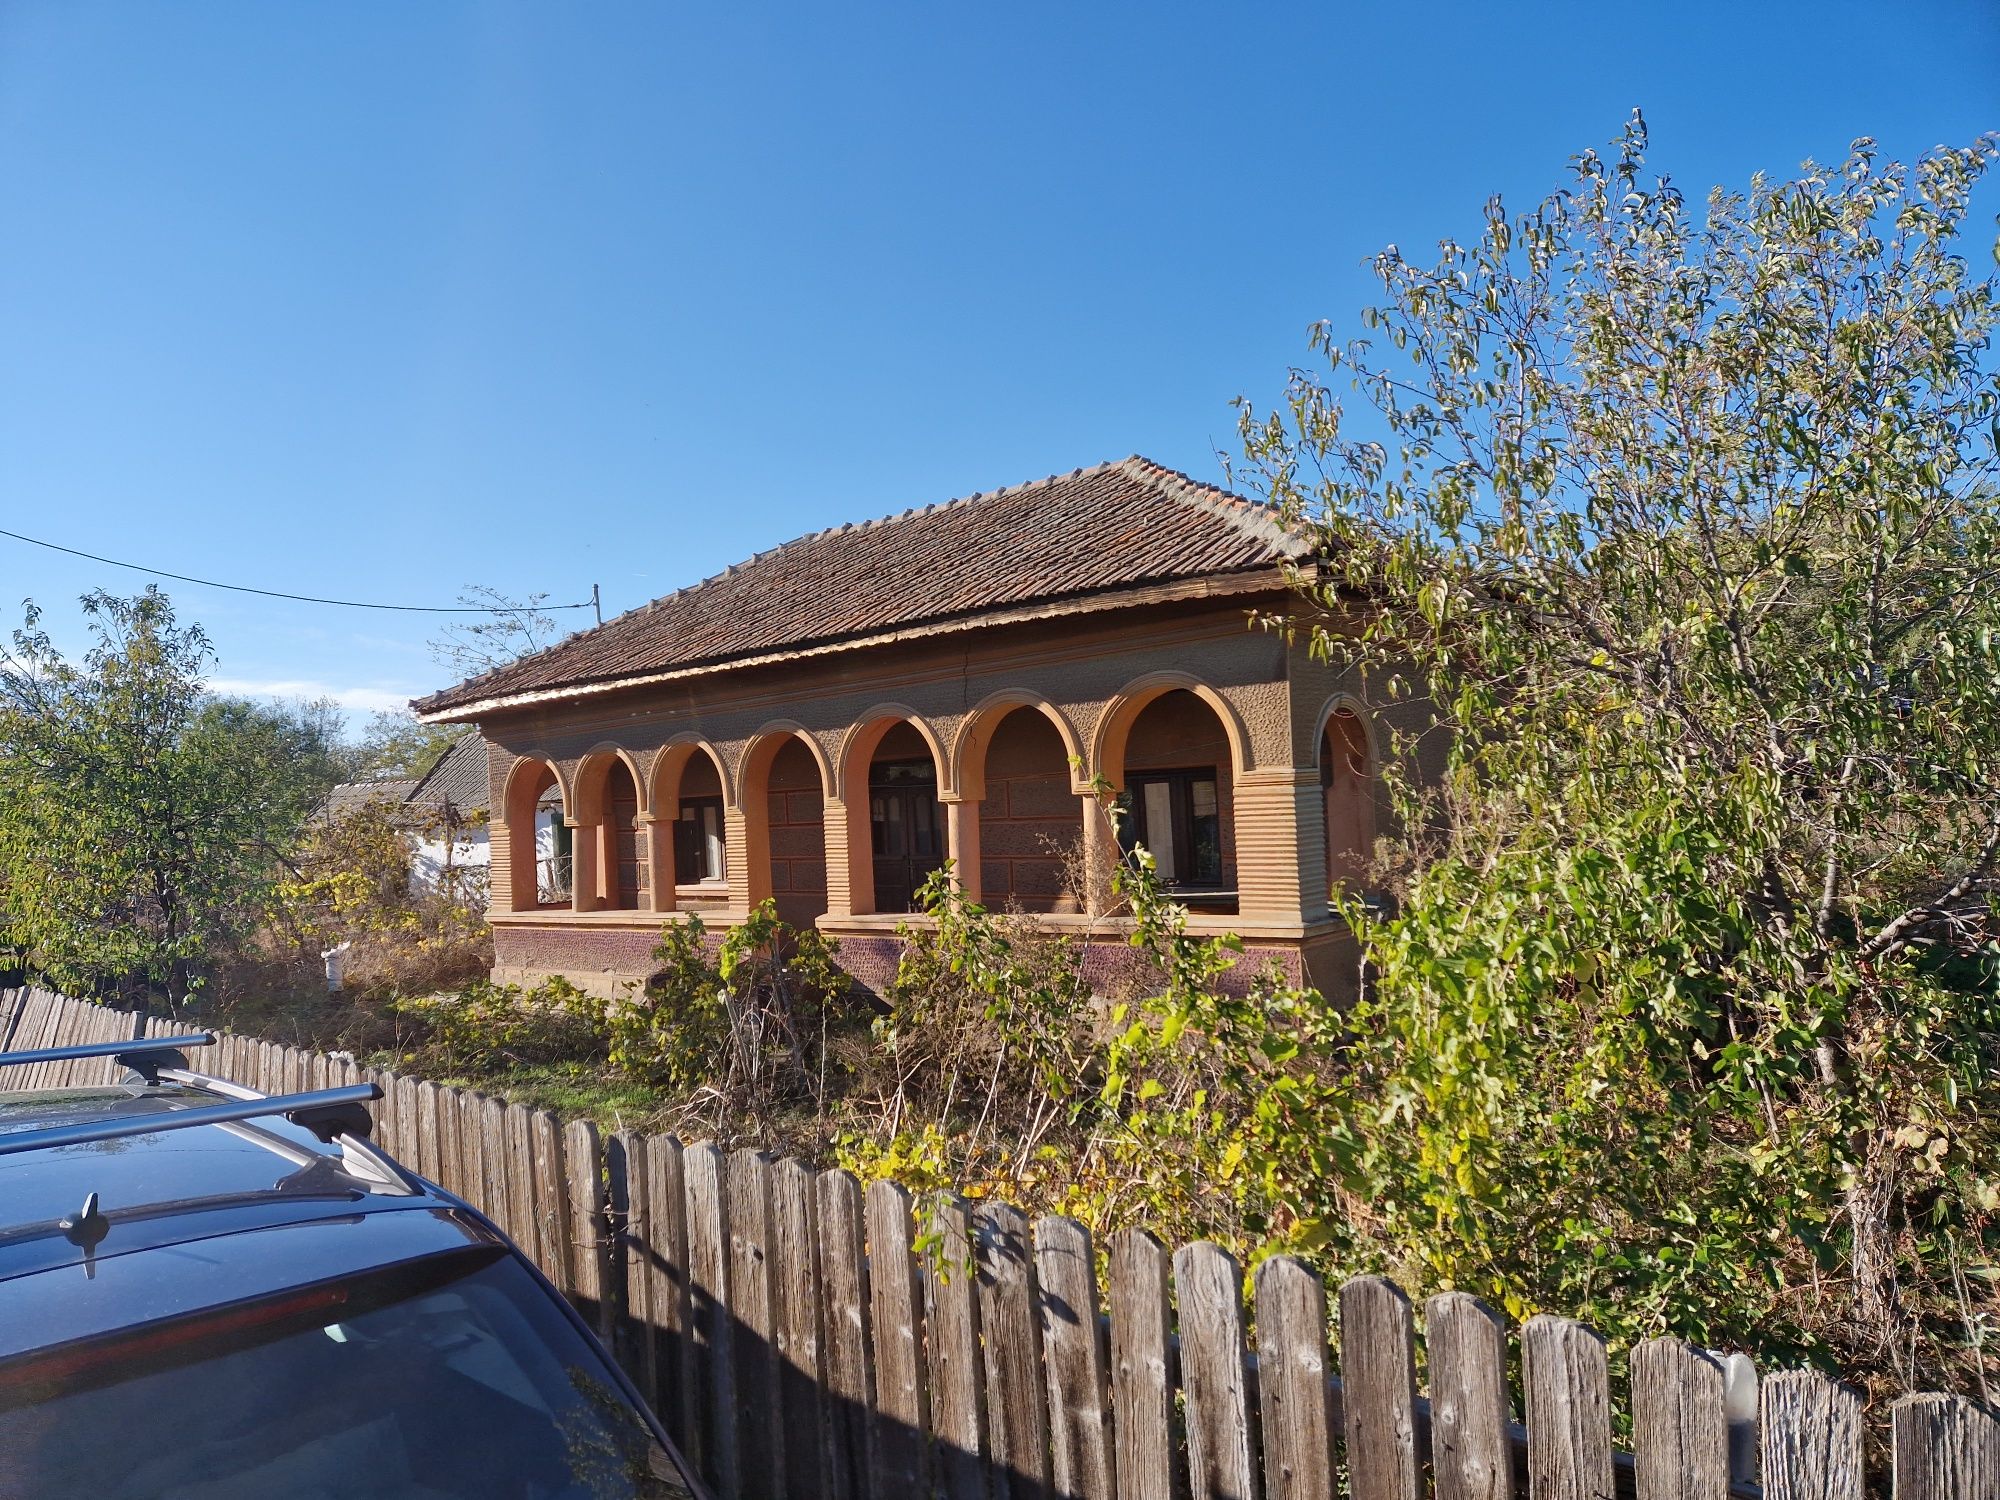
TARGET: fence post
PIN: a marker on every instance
(712, 1439)
(1378, 1389)
(760, 1419)
(1143, 1368)
(1081, 1445)
(1945, 1448)
(1568, 1383)
(1222, 1445)
(801, 1329)
(902, 1425)
(1472, 1457)
(1811, 1448)
(1680, 1435)
(850, 1354)
(1295, 1397)
(951, 1307)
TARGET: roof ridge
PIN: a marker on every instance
(1254, 518)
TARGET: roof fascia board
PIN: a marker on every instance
(1265, 579)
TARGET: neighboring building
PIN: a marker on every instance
(826, 723)
(445, 811)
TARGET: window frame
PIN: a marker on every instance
(1180, 781)
(691, 842)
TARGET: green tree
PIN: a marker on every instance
(140, 817)
(1679, 517)
(394, 744)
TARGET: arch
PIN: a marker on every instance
(782, 850)
(1018, 825)
(858, 804)
(532, 873)
(664, 831)
(611, 863)
(671, 761)
(767, 742)
(857, 746)
(1344, 749)
(1114, 724)
(1363, 717)
(591, 770)
(975, 737)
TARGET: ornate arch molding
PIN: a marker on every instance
(857, 747)
(1114, 724)
(975, 737)
(592, 769)
(755, 763)
(670, 765)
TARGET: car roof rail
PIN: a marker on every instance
(135, 1053)
(327, 1113)
(356, 1143)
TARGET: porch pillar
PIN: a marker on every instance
(583, 871)
(658, 832)
(961, 828)
(841, 900)
(746, 853)
(1280, 845)
(1100, 849)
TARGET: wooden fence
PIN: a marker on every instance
(803, 1337)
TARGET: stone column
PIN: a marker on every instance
(961, 826)
(746, 854)
(1100, 849)
(658, 832)
(583, 865)
(840, 872)
(1280, 845)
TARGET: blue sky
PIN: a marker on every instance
(380, 299)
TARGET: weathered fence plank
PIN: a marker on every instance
(1378, 1389)
(1472, 1457)
(951, 1313)
(760, 1419)
(1221, 1435)
(590, 1235)
(1143, 1375)
(902, 1390)
(498, 1202)
(1567, 1380)
(1680, 1435)
(1017, 1419)
(801, 1338)
(625, 1160)
(712, 1437)
(1945, 1448)
(667, 1288)
(1294, 1397)
(1082, 1451)
(1811, 1439)
(523, 1211)
(426, 1163)
(553, 1250)
(850, 1353)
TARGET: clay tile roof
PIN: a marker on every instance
(1117, 526)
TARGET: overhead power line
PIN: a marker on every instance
(244, 588)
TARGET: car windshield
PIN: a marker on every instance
(451, 1378)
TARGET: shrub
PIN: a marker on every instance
(486, 1027)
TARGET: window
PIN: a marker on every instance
(1177, 815)
(368, 1386)
(698, 844)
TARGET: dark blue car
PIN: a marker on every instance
(207, 1293)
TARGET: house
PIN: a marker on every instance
(444, 811)
(825, 724)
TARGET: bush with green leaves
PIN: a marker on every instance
(485, 1029)
(1680, 520)
(989, 1036)
(740, 1031)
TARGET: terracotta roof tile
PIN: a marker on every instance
(1119, 525)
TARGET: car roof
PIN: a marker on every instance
(169, 1185)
